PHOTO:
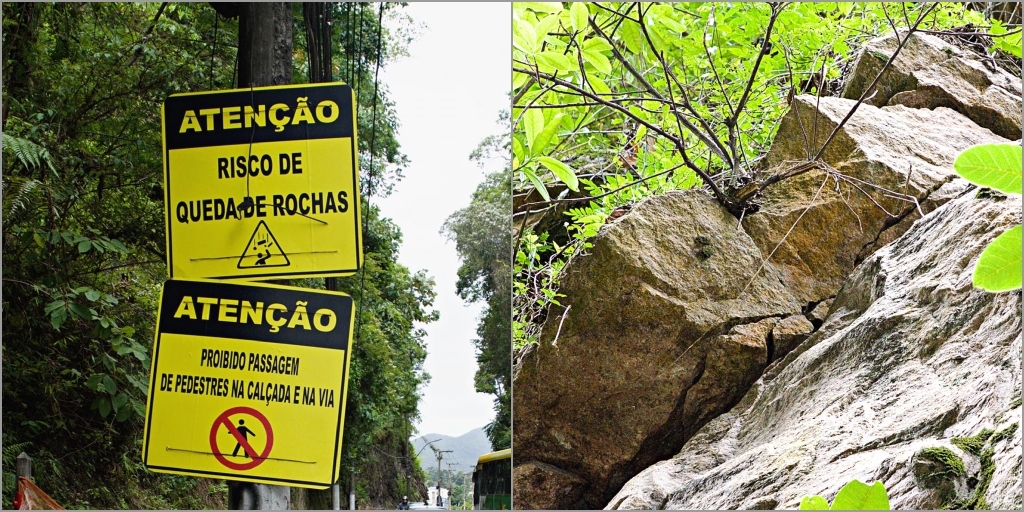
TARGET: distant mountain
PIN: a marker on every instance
(466, 449)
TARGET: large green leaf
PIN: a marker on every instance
(999, 267)
(813, 503)
(598, 60)
(533, 122)
(996, 166)
(555, 60)
(540, 143)
(857, 495)
(578, 16)
(531, 175)
(562, 171)
(630, 33)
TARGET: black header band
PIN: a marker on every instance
(215, 309)
(219, 118)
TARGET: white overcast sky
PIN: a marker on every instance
(447, 94)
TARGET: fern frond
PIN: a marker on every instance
(30, 154)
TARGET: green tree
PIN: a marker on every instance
(481, 235)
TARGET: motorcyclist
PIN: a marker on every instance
(404, 505)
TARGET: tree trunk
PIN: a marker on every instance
(265, 44)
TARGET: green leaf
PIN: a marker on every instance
(80, 311)
(119, 401)
(123, 413)
(92, 295)
(141, 386)
(545, 135)
(578, 16)
(598, 85)
(108, 384)
(555, 60)
(996, 166)
(598, 60)
(58, 317)
(999, 267)
(84, 246)
(595, 44)
(562, 171)
(517, 148)
(544, 27)
(632, 36)
(533, 120)
(537, 184)
(857, 495)
(103, 403)
(656, 40)
(53, 305)
(93, 382)
(813, 503)
(524, 36)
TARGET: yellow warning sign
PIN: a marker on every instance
(248, 382)
(271, 164)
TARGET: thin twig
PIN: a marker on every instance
(719, 194)
(554, 342)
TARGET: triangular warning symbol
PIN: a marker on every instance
(263, 250)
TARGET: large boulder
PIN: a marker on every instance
(667, 324)
(910, 361)
(931, 73)
(882, 168)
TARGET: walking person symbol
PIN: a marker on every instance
(242, 429)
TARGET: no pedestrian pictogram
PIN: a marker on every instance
(240, 435)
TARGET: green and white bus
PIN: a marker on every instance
(492, 481)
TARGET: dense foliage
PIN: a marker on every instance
(481, 234)
(83, 242)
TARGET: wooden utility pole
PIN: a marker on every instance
(264, 58)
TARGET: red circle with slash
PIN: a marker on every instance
(224, 420)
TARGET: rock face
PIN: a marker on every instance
(910, 357)
(930, 73)
(679, 309)
(668, 327)
(790, 332)
(907, 151)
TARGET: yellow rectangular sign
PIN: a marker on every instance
(248, 382)
(262, 183)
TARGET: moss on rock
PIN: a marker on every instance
(1005, 433)
(945, 462)
(973, 444)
